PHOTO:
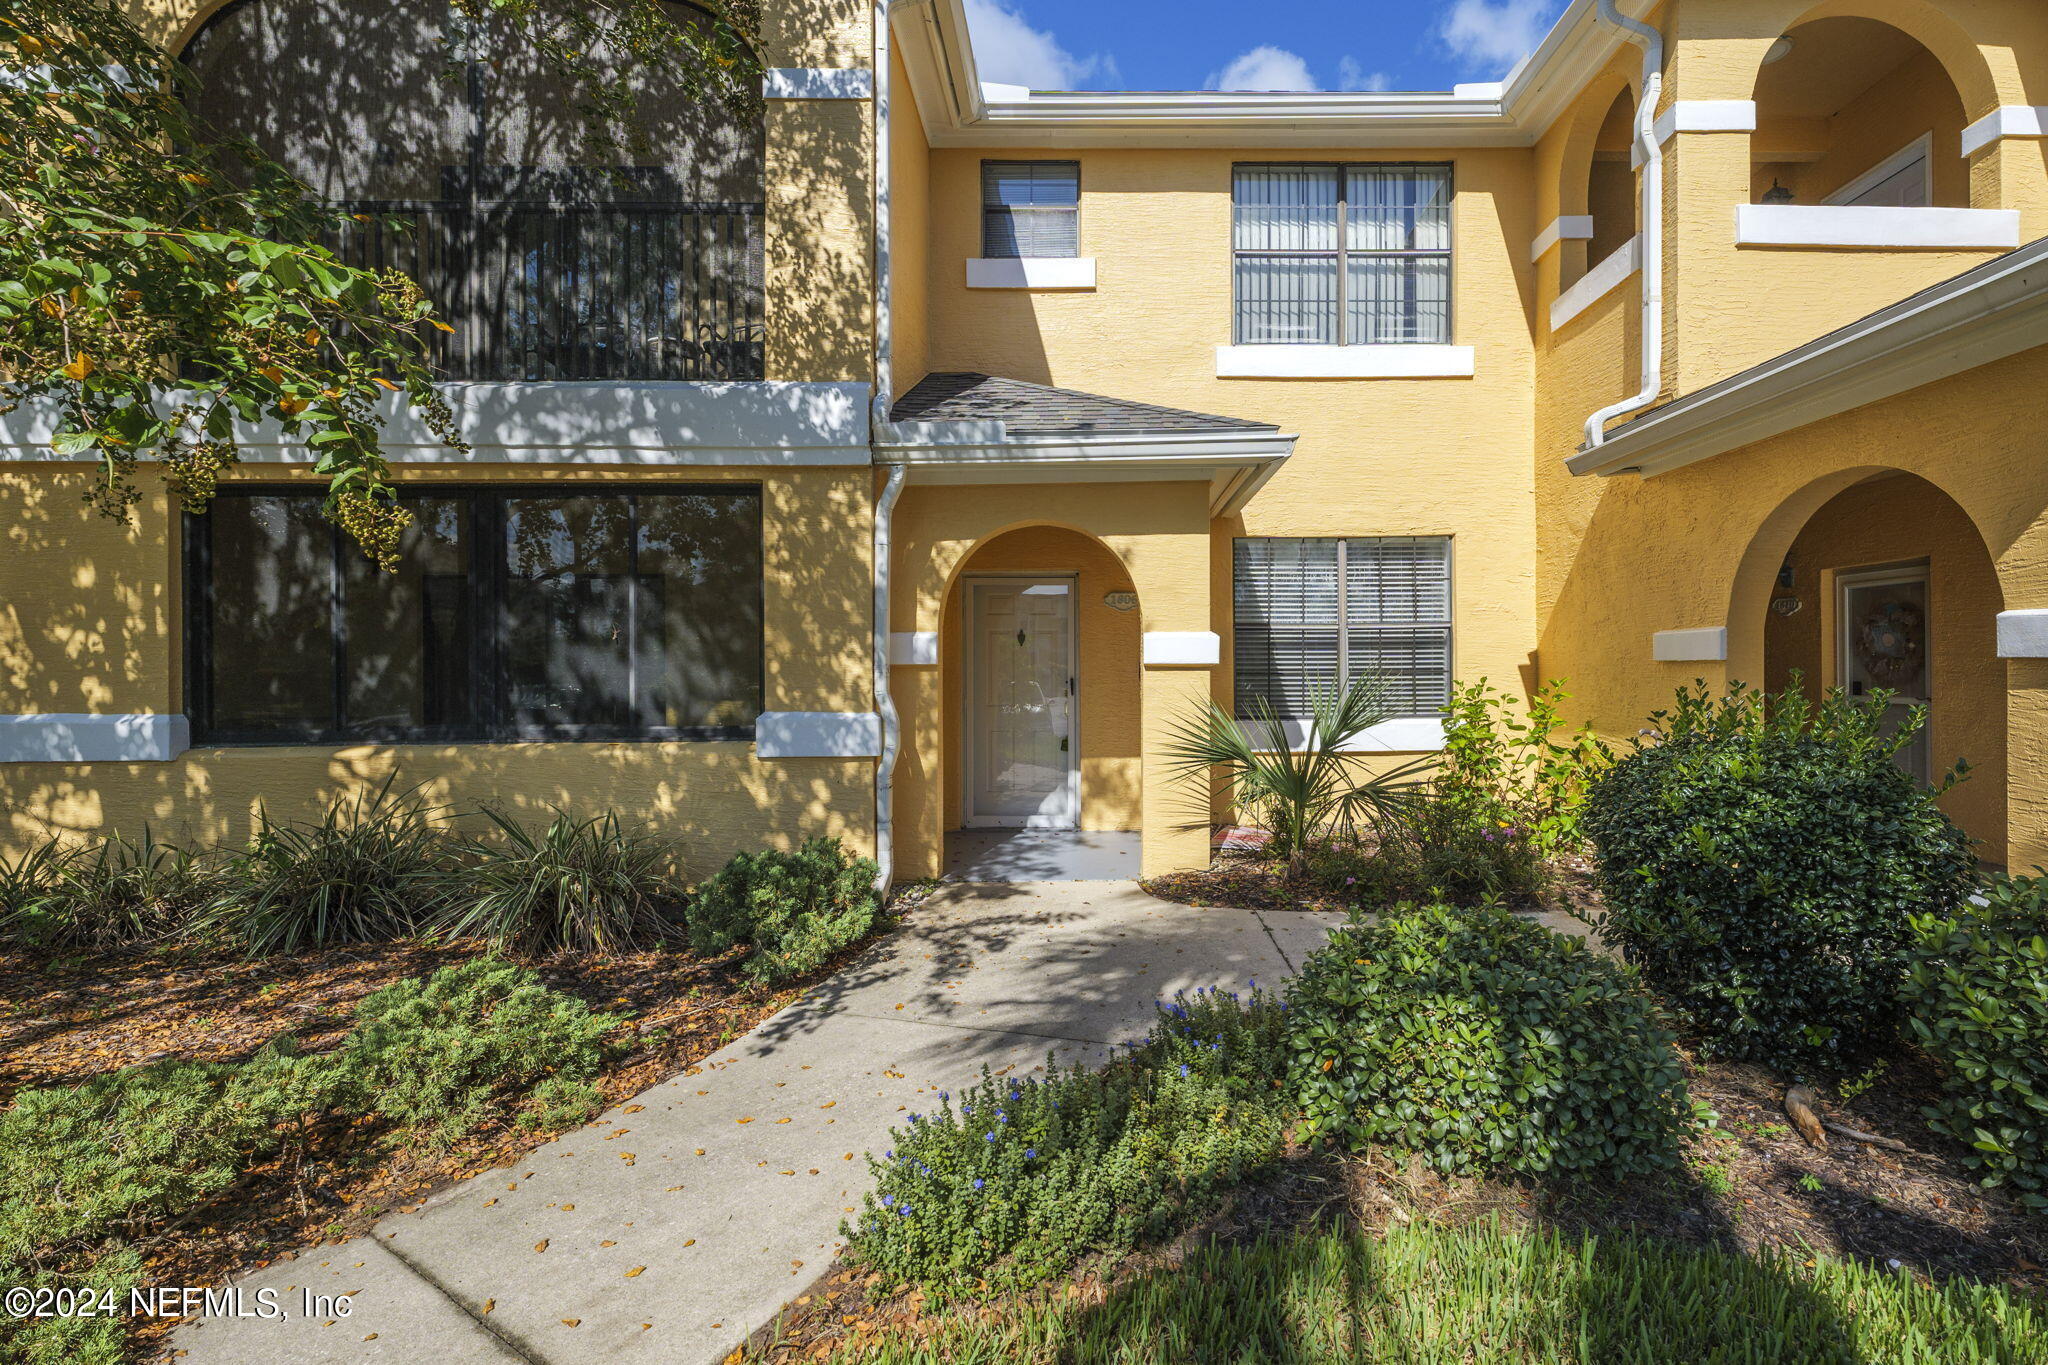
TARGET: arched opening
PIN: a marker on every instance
(560, 244)
(1611, 194)
(1039, 649)
(1887, 585)
(1852, 111)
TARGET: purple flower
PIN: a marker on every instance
(889, 1155)
(989, 1136)
(978, 1182)
(966, 1110)
(888, 1200)
(1183, 1068)
(904, 1211)
(1031, 1154)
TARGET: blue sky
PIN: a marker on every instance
(1229, 45)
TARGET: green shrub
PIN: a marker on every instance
(104, 894)
(581, 885)
(1977, 1001)
(1504, 767)
(1760, 860)
(795, 909)
(374, 868)
(1028, 1175)
(437, 1055)
(81, 1162)
(1483, 1041)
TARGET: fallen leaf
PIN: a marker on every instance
(634, 1273)
(541, 1245)
(572, 1322)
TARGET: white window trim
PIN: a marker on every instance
(1182, 649)
(818, 734)
(1602, 280)
(817, 83)
(1703, 644)
(2023, 634)
(1377, 360)
(1919, 149)
(1031, 272)
(1877, 229)
(76, 737)
(1403, 735)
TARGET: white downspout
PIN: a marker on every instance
(885, 503)
(1652, 43)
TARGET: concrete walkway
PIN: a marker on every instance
(679, 1223)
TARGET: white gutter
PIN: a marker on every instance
(1652, 237)
(892, 489)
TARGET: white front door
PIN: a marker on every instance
(1883, 647)
(1022, 745)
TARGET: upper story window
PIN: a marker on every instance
(1030, 208)
(1342, 255)
(554, 251)
(534, 613)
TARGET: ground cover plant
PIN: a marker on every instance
(792, 910)
(1026, 1175)
(1761, 857)
(1481, 1041)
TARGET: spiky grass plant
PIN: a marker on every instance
(586, 886)
(1318, 789)
(375, 867)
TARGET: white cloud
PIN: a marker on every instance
(1352, 76)
(1011, 52)
(1492, 35)
(1264, 68)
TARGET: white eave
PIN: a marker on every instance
(1996, 310)
(1235, 464)
(959, 110)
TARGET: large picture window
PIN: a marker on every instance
(1311, 614)
(1342, 255)
(549, 613)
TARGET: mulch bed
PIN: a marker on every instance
(64, 1020)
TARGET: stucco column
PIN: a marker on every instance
(1176, 806)
(2026, 753)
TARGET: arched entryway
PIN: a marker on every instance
(1876, 579)
(1042, 700)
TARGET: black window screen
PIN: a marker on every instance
(1311, 614)
(514, 614)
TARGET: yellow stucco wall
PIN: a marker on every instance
(88, 624)
(1701, 547)
(910, 232)
(1896, 520)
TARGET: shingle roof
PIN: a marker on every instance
(1036, 409)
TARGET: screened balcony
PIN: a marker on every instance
(555, 252)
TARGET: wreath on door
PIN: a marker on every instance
(1890, 642)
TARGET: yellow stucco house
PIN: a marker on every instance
(906, 466)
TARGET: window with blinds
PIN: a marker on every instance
(1310, 615)
(1030, 208)
(1342, 255)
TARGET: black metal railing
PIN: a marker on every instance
(539, 291)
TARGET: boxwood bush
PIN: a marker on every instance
(1760, 857)
(1483, 1041)
(794, 909)
(1978, 1003)
(1025, 1176)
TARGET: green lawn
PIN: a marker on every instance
(1484, 1296)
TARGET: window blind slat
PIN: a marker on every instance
(1030, 208)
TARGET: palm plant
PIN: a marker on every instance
(1300, 792)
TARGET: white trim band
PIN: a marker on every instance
(1393, 360)
(1404, 735)
(1877, 228)
(630, 422)
(1570, 227)
(1182, 649)
(1597, 283)
(1700, 116)
(1703, 644)
(2023, 634)
(818, 734)
(817, 83)
(2008, 120)
(61, 737)
(914, 649)
(1031, 272)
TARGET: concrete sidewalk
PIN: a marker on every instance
(677, 1224)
